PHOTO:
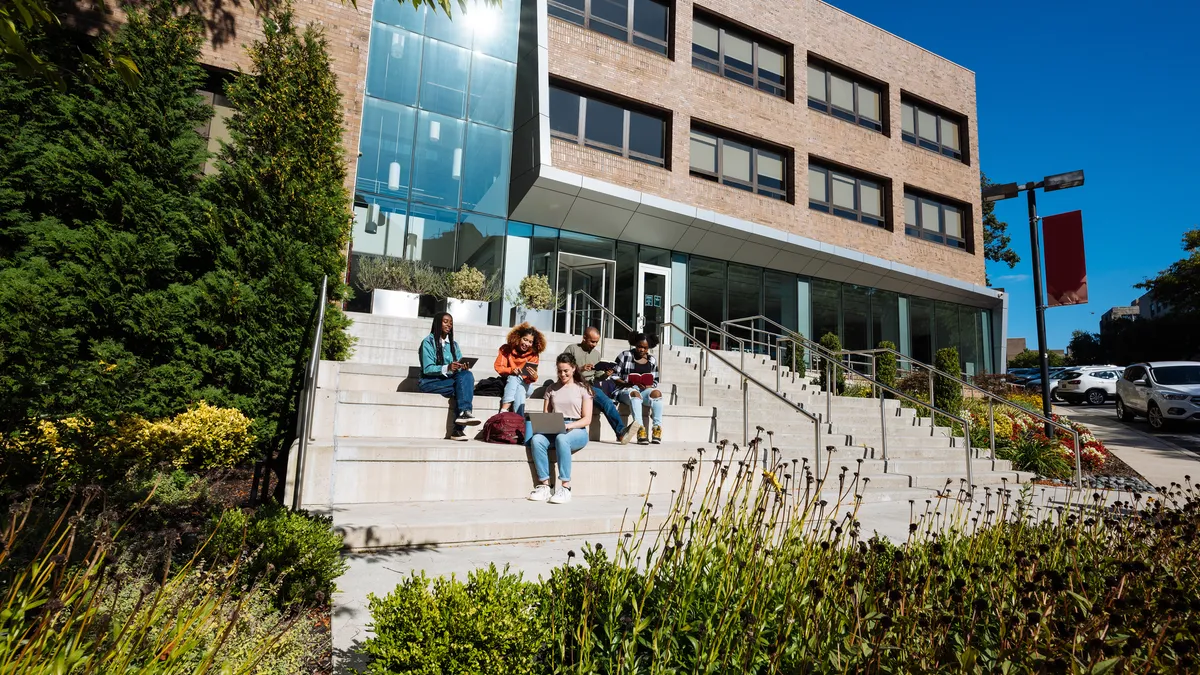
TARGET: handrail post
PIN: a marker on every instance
(700, 368)
(970, 462)
(932, 403)
(1078, 461)
(883, 424)
(745, 411)
(829, 387)
(991, 430)
(779, 364)
(308, 399)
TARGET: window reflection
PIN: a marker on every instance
(430, 236)
(480, 243)
(444, 78)
(439, 151)
(485, 170)
(386, 146)
(492, 82)
(395, 64)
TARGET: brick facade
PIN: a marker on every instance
(587, 57)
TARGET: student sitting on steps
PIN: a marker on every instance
(636, 377)
(572, 397)
(517, 363)
(444, 372)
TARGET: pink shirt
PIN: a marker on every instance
(566, 399)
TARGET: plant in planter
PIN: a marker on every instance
(469, 292)
(534, 302)
(396, 285)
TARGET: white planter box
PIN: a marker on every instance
(470, 312)
(395, 303)
(541, 319)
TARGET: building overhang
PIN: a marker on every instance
(569, 201)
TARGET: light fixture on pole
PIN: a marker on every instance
(995, 193)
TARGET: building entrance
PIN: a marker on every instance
(585, 284)
(654, 297)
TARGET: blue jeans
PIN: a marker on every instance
(606, 405)
(459, 386)
(516, 390)
(564, 445)
(635, 405)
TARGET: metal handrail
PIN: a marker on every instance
(308, 395)
(746, 380)
(709, 329)
(991, 398)
(604, 311)
(833, 360)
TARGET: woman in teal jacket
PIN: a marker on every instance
(443, 372)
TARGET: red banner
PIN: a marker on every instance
(1066, 269)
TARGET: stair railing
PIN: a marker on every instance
(746, 381)
(992, 399)
(709, 328)
(308, 396)
(604, 313)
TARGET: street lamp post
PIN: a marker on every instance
(995, 193)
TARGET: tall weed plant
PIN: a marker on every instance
(765, 569)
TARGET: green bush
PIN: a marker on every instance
(947, 393)
(885, 365)
(794, 358)
(859, 391)
(468, 283)
(489, 626)
(302, 549)
(1032, 451)
(831, 342)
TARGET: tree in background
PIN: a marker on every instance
(101, 235)
(1029, 359)
(1085, 349)
(996, 246)
(1178, 286)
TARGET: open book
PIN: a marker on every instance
(641, 379)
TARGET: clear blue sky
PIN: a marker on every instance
(1111, 88)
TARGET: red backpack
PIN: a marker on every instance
(505, 427)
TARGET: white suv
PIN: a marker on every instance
(1093, 384)
(1161, 390)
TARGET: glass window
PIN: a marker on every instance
(485, 170)
(704, 152)
(740, 165)
(885, 317)
(605, 125)
(845, 194)
(379, 229)
(934, 220)
(706, 291)
(496, 30)
(394, 71)
(585, 244)
(739, 56)
(453, 29)
(843, 95)
(430, 235)
(650, 19)
(492, 82)
(931, 129)
(609, 127)
(745, 295)
(920, 323)
(946, 325)
(564, 112)
(480, 243)
(444, 79)
(401, 14)
(654, 256)
(856, 319)
(780, 299)
(438, 167)
(826, 308)
(385, 144)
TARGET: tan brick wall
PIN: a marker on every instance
(808, 25)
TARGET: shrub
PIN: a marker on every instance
(832, 343)
(468, 283)
(1032, 451)
(302, 549)
(535, 293)
(794, 358)
(204, 437)
(489, 625)
(77, 612)
(859, 391)
(885, 365)
(947, 393)
(397, 274)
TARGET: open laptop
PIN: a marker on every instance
(547, 422)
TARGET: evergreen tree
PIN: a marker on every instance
(281, 205)
(98, 251)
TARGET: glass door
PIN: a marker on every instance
(584, 283)
(654, 289)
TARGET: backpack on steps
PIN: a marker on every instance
(490, 386)
(504, 427)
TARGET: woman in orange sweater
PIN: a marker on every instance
(517, 363)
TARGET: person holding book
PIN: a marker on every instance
(636, 378)
(445, 372)
(594, 373)
(572, 398)
(517, 363)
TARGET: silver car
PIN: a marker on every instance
(1163, 391)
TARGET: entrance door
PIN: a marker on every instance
(654, 289)
(585, 284)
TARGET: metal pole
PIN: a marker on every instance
(828, 392)
(779, 364)
(883, 424)
(1078, 462)
(932, 403)
(745, 411)
(1040, 303)
(970, 463)
(991, 429)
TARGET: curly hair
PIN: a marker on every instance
(520, 331)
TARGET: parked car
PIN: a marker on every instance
(1163, 391)
(1093, 384)
(1035, 383)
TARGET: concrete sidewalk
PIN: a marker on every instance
(1160, 461)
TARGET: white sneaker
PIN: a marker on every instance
(630, 433)
(540, 493)
(562, 495)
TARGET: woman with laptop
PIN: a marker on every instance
(636, 378)
(564, 423)
(444, 371)
(517, 363)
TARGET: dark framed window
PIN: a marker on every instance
(739, 164)
(608, 125)
(932, 129)
(933, 219)
(837, 93)
(739, 56)
(846, 194)
(645, 23)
